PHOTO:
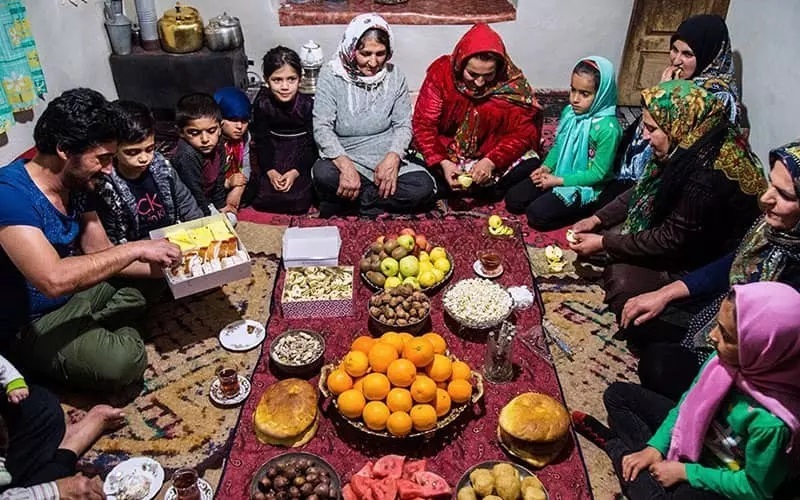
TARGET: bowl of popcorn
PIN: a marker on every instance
(477, 303)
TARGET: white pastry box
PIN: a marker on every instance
(311, 246)
(213, 255)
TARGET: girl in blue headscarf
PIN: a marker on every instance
(564, 189)
(235, 107)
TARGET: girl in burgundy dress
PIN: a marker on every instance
(282, 136)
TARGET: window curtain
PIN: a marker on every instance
(21, 76)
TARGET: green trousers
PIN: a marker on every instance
(91, 342)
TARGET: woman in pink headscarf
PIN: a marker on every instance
(734, 434)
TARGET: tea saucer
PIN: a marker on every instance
(137, 472)
(480, 271)
(242, 335)
(216, 395)
(206, 491)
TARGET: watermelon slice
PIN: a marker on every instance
(386, 489)
(363, 486)
(365, 471)
(411, 467)
(389, 466)
(348, 493)
(409, 489)
(432, 484)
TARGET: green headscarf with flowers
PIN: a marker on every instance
(689, 116)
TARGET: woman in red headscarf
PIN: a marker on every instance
(476, 121)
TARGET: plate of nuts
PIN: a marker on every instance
(295, 475)
(298, 352)
(402, 308)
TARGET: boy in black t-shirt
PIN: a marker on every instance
(143, 191)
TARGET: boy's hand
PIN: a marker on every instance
(17, 395)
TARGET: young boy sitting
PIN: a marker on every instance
(199, 156)
(143, 192)
(235, 108)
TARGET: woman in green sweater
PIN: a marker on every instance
(731, 433)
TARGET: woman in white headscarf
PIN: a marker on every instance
(362, 126)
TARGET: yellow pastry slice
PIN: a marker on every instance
(202, 236)
(182, 239)
(220, 230)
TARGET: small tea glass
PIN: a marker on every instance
(228, 381)
(490, 261)
(184, 481)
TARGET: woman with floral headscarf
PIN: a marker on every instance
(476, 121)
(700, 51)
(362, 126)
(695, 200)
(770, 251)
(734, 433)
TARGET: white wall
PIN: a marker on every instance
(765, 33)
(545, 40)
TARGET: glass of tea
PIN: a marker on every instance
(185, 482)
(490, 260)
(228, 381)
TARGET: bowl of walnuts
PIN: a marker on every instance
(399, 309)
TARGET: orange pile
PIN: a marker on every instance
(399, 382)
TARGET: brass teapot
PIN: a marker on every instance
(180, 29)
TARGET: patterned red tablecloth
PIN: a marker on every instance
(469, 440)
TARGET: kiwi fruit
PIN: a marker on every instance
(376, 278)
(365, 265)
(399, 252)
(389, 246)
(375, 247)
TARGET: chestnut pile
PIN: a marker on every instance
(400, 306)
(296, 478)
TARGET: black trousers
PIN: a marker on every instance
(35, 428)
(414, 193)
(546, 211)
(668, 368)
(634, 414)
(493, 192)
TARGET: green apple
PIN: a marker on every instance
(389, 266)
(465, 180)
(392, 282)
(406, 241)
(412, 281)
(409, 266)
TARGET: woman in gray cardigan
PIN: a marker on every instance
(362, 126)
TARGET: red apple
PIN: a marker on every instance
(380, 239)
(421, 241)
(428, 247)
(408, 231)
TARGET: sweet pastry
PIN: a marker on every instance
(534, 427)
(287, 413)
(206, 249)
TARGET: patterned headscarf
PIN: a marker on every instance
(687, 114)
(344, 62)
(767, 324)
(509, 85)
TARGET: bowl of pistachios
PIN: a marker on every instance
(298, 352)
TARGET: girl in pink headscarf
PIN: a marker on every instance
(734, 432)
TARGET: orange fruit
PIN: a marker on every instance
(375, 415)
(394, 339)
(423, 389)
(381, 355)
(438, 342)
(375, 386)
(460, 390)
(358, 384)
(442, 402)
(419, 351)
(461, 371)
(355, 363)
(399, 423)
(423, 417)
(399, 399)
(440, 369)
(339, 381)
(363, 343)
(405, 337)
(401, 372)
(351, 403)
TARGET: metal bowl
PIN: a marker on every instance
(383, 327)
(316, 460)
(304, 367)
(473, 323)
(429, 290)
(465, 481)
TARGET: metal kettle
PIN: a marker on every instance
(224, 32)
(181, 29)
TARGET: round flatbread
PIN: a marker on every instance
(535, 417)
(287, 409)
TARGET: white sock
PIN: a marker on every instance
(5, 477)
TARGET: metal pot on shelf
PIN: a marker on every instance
(180, 30)
(224, 32)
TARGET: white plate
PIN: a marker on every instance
(206, 491)
(478, 268)
(216, 395)
(143, 466)
(242, 335)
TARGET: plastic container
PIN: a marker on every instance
(311, 246)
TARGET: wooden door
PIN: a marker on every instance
(646, 53)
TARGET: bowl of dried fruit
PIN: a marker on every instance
(298, 352)
(399, 309)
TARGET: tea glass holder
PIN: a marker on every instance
(498, 366)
